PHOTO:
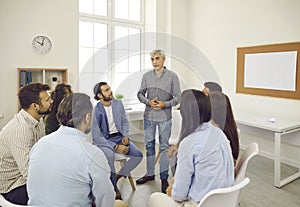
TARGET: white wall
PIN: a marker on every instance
(218, 27)
(20, 21)
(172, 25)
(179, 29)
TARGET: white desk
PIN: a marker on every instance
(135, 117)
(135, 114)
(279, 128)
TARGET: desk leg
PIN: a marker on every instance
(277, 164)
(277, 175)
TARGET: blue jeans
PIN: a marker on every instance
(164, 130)
(18, 195)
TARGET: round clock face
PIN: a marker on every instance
(41, 44)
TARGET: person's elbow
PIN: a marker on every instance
(178, 196)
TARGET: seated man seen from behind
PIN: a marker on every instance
(65, 169)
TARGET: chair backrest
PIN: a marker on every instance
(225, 197)
(242, 163)
(6, 203)
(176, 126)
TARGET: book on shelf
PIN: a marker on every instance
(25, 77)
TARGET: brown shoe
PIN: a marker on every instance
(118, 195)
(145, 179)
(164, 185)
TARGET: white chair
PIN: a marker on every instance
(175, 132)
(6, 203)
(242, 163)
(122, 159)
(176, 127)
(225, 197)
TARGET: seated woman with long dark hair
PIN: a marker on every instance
(222, 117)
(204, 155)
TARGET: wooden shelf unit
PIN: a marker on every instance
(42, 75)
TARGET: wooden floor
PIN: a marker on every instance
(260, 192)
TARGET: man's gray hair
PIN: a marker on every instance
(162, 53)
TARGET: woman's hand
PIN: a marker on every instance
(172, 151)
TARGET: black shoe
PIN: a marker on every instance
(164, 185)
(145, 179)
(118, 195)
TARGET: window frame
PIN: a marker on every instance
(111, 23)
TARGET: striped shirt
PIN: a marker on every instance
(165, 88)
(16, 141)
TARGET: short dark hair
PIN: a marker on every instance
(97, 89)
(73, 109)
(30, 94)
(213, 86)
(195, 109)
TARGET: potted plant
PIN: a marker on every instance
(119, 96)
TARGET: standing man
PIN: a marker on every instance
(65, 169)
(17, 139)
(110, 132)
(159, 91)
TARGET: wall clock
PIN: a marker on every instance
(42, 44)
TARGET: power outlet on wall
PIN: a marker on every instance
(1, 116)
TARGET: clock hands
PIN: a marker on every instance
(41, 43)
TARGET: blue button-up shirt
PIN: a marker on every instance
(204, 163)
(65, 170)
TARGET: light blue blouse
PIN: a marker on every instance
(204, 163)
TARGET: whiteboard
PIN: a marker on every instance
(272, 70)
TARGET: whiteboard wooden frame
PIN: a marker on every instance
(283, 47)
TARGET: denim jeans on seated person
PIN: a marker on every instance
(164, 130)
(18, 195)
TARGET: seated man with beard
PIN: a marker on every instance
(17, 139)
(110, 132)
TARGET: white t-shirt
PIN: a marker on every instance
(110, 118)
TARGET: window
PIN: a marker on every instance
(109, 41)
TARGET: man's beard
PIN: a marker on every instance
(43, 112)
(107, 98)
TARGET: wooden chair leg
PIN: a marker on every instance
(157, 156)
(122, 163)
(131, 182)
